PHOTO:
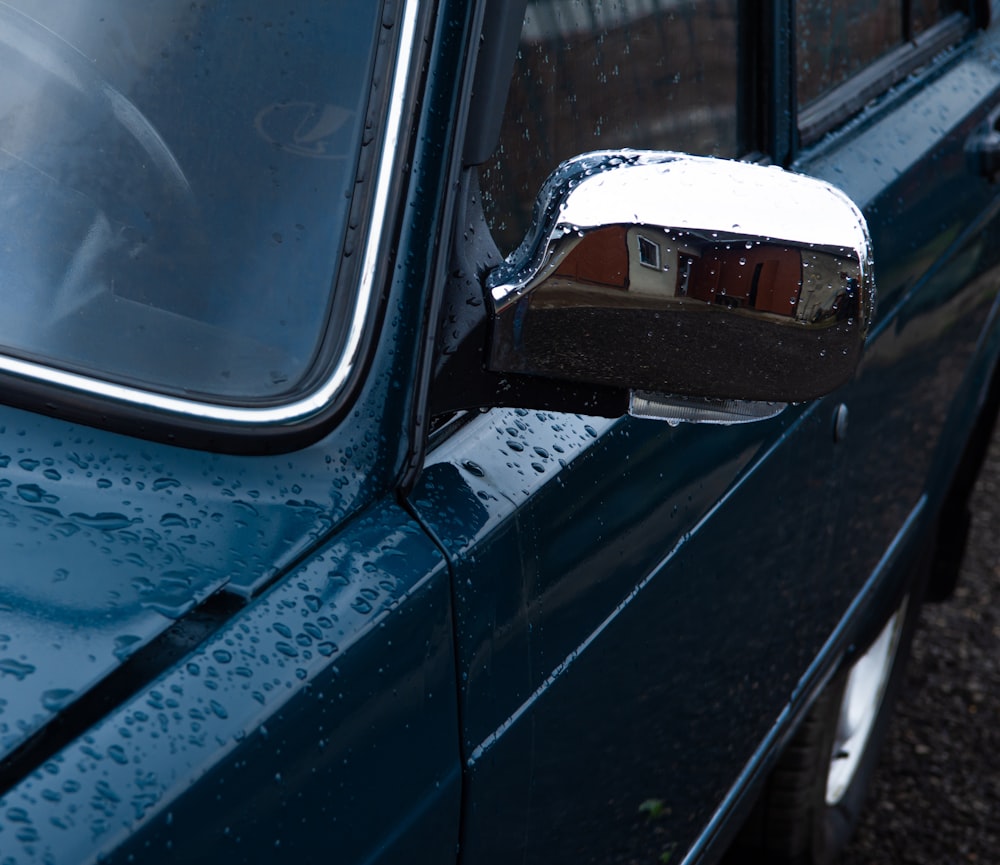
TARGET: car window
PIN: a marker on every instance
(835, 40)
(923, 14)
(605, 74)
(176, 180)
(848, 52)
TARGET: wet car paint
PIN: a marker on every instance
(935, 225)
(570, 541)
(106, 548)
(306, 498)
(309, 702)
(585, 612)
(628, 641)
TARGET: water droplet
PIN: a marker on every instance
(474, 468)
(313, 603)
(57, 699)
(125, 645)
(173, 521)
(32, 493)
(104, 790)
(19, 671)
(104, 521)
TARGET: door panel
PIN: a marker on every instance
(641, 611)
(935, 232)
(635, 606)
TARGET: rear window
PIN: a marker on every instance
(175, 182)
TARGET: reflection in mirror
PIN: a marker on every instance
(653, 263)
(689, 276)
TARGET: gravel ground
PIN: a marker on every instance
(936, 794)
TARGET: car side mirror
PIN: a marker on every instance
(710, 289)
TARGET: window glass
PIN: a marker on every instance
(175, 180)
(604, 74)
(926, 13)
(836, 40)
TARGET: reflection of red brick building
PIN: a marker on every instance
(601, 259)
(766, 277)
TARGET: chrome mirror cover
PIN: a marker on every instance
(690, 276)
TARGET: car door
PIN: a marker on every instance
(917, 158)
(643, 613)
(637, 604)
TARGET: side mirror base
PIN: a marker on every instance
(679, 409)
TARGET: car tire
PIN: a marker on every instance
(811, 802)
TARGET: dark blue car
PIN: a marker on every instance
(480, 431)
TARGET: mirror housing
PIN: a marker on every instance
(711, 289)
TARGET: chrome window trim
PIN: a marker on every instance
(321, 397)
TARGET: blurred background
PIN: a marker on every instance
(936, 793)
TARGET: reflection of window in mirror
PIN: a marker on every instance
(608, 74)
(649, 252)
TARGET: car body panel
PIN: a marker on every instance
(635, 534)
(331, 698)
(106, 548)
(145, 530)
(117, 776)
(934, 225)
(108, 545)
(568, 639)
(656, 634)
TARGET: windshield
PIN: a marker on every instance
(175, 180)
